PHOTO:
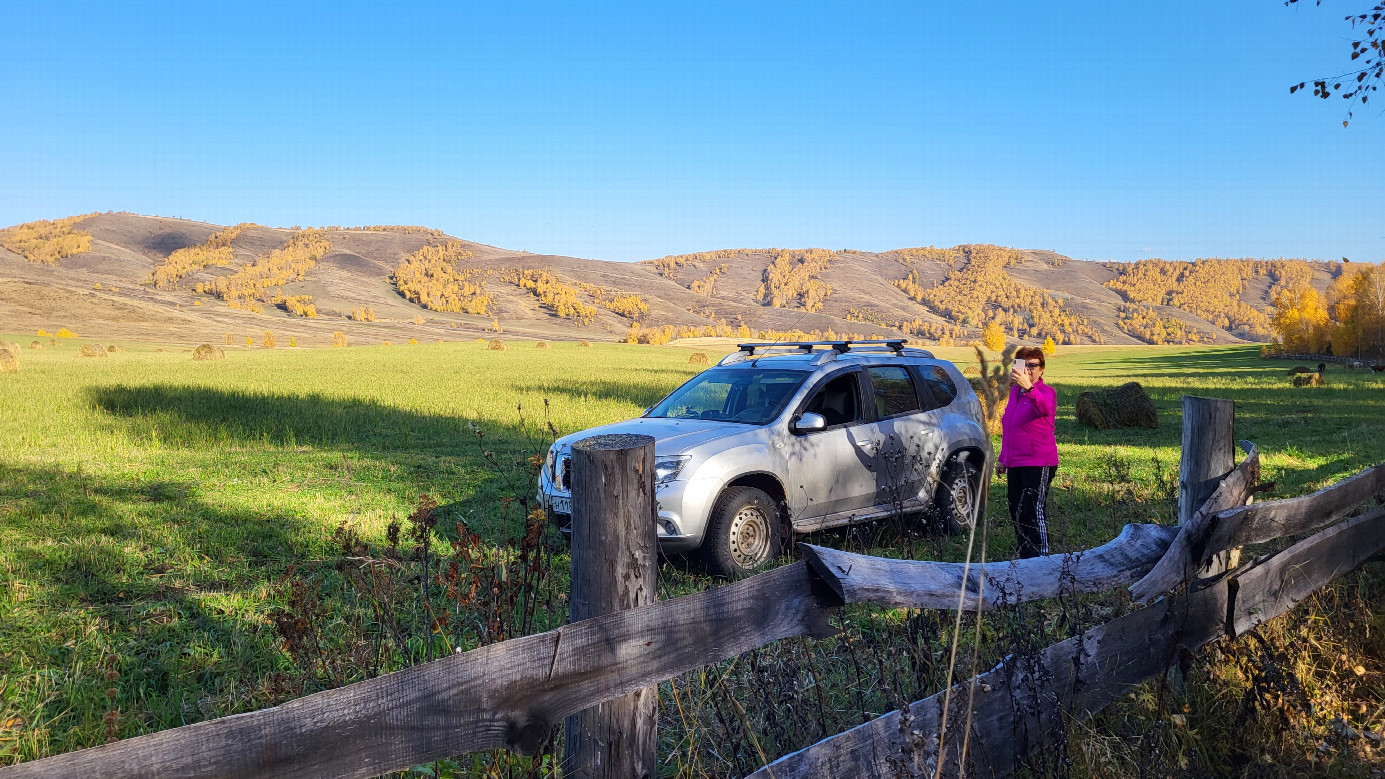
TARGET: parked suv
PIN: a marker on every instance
(790, 438)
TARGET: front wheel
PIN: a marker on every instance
(742, 534)
(958, 494)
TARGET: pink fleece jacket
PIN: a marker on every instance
(1026, 428)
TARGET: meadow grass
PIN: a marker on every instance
(155, 513)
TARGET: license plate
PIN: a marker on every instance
(562, 504)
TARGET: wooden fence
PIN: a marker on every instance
(510, 695)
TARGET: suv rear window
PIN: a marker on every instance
(939, 385)
(751, 397)
(894, 391)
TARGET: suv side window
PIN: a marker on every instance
(894, 391)
(939, 385)
(838, 401)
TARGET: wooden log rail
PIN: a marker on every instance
(510, 695)
(1082, 675)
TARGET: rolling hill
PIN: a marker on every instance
(96, 276)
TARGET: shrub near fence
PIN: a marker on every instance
(511, 694)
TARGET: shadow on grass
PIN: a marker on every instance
(143, 580)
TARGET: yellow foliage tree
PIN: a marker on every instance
(47, 241)
(1300, 319)
(1050, 348)
(993, 336)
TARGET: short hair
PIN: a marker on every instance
(1031, 353)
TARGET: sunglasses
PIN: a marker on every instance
(1032, 365)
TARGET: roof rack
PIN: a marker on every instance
(895, 345)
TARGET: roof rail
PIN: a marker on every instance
(842, 347)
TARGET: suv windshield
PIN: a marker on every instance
(751, 397)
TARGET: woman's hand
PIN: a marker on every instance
(1021, 377)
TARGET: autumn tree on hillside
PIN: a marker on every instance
(1300, 318)
(993, 336)
(430, 278)
(47, 241)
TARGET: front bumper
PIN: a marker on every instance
(683, 507)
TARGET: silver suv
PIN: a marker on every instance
(791, 438)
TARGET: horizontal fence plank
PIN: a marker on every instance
(1184, 559)
(1261, 522)
(507, 695)
(1286, 579)
(1018, 707)
(926, 584)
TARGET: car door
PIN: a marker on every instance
(907, 436)
(829, 470)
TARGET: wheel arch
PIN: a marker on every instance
(764, 481)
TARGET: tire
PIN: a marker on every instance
(742, 533)
(958, 492)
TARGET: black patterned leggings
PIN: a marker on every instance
(1028, 488)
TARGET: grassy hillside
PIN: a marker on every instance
(183, 282)
(184, 540)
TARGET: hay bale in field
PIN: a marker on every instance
(1309, 380)
(92, 350)
(585, 343)
(35, 345)
(498, 345)
(541, 345)
(114, 349)
(698, 358)
(1125, 406)
(9, 348)
(52, 342)
(971, 370)
(9, 363)
(208, 352)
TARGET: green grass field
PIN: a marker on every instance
(153, 509)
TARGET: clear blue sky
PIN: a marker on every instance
(1103, 130)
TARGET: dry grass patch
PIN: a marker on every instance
(498, 345)
(208, 352)
(92, 350)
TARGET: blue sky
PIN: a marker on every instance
(1102, 130)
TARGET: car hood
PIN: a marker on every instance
(671, 436)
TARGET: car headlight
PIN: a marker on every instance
(550, 463)
(668, 468)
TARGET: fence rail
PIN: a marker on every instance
(511, 695)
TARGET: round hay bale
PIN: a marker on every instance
(12, 349)
(585, 343)
(52, 342)
(114, 349)
(541, 345)
(208, 352)
(92, 350)
(1297, 369)
(1309, 380)
(498, 345)
(35, 345)
(971, 370)
(1125, 406)
(8, 362)
(698, 358)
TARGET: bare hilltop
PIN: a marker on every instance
(164, 280)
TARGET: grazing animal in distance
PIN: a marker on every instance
(1378, 368)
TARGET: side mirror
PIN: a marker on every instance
(810, 421)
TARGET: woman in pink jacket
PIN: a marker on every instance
(1029, 450)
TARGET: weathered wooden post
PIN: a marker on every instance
(614, 567)
(1209, 451)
